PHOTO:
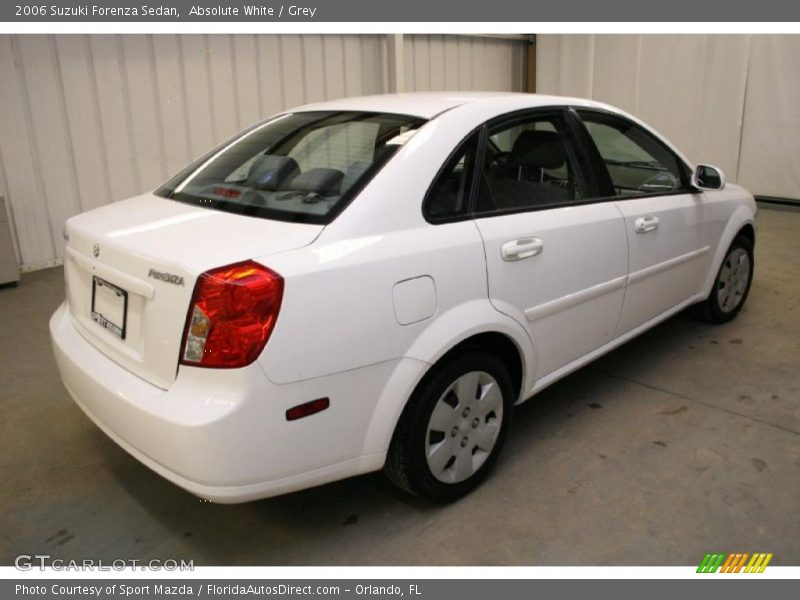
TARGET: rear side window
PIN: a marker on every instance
(529, 164)
(637, 163)
(302, 167)
(448, 197)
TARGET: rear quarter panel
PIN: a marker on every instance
(338, 310)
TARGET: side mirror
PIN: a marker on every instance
(706, 177)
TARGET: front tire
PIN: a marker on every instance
(732, 284)
(453, 428)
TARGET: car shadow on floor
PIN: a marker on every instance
(250, 533)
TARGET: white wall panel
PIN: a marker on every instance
(87, 120)
(671, 89)
(49, 131)
(145, 117)
(770, 160)
(25, 194)
(109, 109)
(720, 99)
(615, 60)
(333, 66)
(729, 100)
(575, 60)
(171, 100)
(452, 62)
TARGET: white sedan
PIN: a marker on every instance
(374, 283)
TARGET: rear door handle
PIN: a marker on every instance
(521, 248)
(645, 224)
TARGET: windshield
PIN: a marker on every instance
(302, 167)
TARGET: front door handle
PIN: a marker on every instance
(645, 224)
(521, 248)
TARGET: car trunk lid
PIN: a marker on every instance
(130, 269)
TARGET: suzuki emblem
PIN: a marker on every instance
(96, 250)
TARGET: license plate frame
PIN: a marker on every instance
(106, 293)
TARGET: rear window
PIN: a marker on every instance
(302, 167)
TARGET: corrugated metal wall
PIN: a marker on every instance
(86, 120)
(448, 62)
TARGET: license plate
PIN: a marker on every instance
(109, 306)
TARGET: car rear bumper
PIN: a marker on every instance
(223, 434)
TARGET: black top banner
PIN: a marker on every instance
(465, 11)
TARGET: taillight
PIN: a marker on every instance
(231, 317)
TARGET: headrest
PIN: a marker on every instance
(269, 171)
(354, 173)
(322, 181)
(538, 150)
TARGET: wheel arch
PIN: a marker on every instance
(497, 344)
(441, 341)
(748, 231)
(740, 223)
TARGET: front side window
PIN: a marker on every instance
(528, 163)
(637, 163)
(302, 167)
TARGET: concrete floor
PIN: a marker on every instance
(682, 442)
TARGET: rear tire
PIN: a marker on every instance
(731, 285)
(453, 428)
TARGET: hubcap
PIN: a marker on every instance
(733, 279)
(464, 427)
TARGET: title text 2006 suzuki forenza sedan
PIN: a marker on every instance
(375, 282)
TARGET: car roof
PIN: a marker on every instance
(430, 104)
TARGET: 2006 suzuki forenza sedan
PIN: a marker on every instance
(375, 282)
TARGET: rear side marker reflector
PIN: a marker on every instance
(307, 409)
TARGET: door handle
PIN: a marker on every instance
(521, 248)
(645, 224)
